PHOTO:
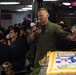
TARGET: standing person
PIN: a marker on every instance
(18, 49)
(46, 35)
(26, 23)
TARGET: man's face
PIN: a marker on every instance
(26, 18)
(21, 32)
(42, 16)
(13, 34)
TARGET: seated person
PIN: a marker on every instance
(5, 51)
(18, 49)
(23, 35)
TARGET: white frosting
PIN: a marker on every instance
(62, 62)
(68, 70)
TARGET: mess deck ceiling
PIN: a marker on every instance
(29, 2)
(13, 7)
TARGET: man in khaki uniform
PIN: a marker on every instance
(45, 35)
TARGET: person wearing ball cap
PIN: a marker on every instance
(33, 27)
(32, 24)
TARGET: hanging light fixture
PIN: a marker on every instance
(66, 3)
(50, 0)
(30, 6)
(27, 8)
(19, 10)
(24, 8)
(9, 3)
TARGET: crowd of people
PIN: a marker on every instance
(14, 46)
(17, 40)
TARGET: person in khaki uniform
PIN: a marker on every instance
(45, 35)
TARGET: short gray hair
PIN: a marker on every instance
(43, 9)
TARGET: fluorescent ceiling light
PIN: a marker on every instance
(24, 9)
(66, 3)
(50, 0)
(9, 3)
(27, 8)
(21, 10)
